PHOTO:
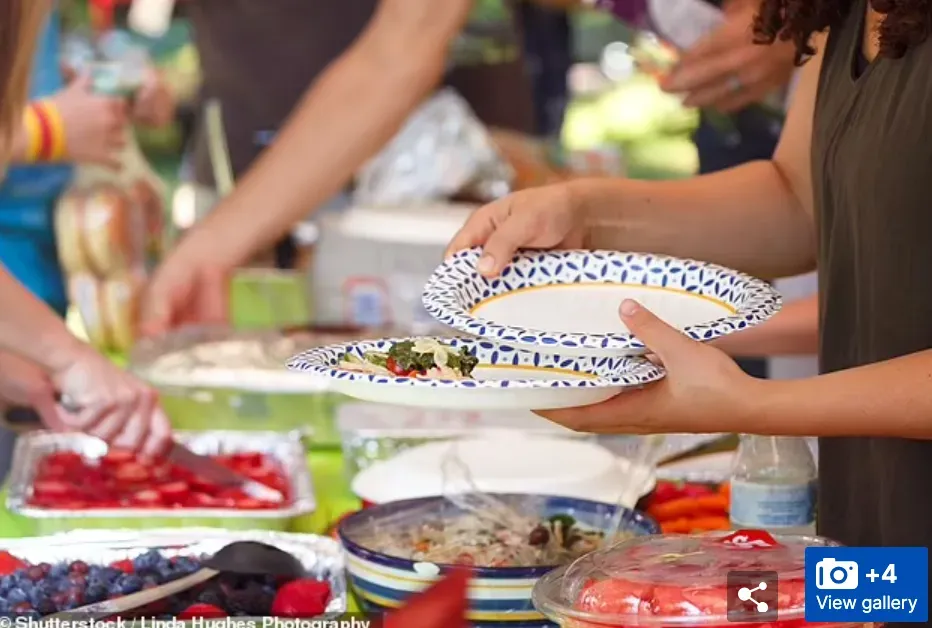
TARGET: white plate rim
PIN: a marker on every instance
(441, 299)
(614, 371)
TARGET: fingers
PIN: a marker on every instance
(661, 339)
(514, 232)
(631, 412)
(155, 313)
(214, 297)
(160, 435)
(475, 232)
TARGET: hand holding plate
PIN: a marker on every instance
(704, 390)
(539, 218)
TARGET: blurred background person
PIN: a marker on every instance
(358, 54)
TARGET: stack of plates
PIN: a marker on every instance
(547, 332)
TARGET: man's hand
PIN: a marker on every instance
(726, 70)
(155, 102)
(187, 289)
(95, 126)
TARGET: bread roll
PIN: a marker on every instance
(86, 293)
(112, 231)
(120, 300)
(68, 232)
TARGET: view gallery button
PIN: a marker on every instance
(867, 584)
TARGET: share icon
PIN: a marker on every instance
(747, 595)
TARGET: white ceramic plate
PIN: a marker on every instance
(567, 301)
(506, 378)
(512, 463)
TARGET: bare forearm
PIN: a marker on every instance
(30, 329)
(887, 399)
(794, 330)
(351, 112)
(745, 217)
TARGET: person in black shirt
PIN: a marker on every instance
(853, 159)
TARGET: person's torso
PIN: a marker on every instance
(872, 164)
(259, 58)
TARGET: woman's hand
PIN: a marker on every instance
(95, 126)
(104, 401)
(548, 217)
(704, 390)
(726, 70)
(155, 102)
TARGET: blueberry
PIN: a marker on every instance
(128, 584)
(186, 565)
(58, 570)
(95, 593)
(79, 566)
(16, 596)
(46, 607)
(147, 561)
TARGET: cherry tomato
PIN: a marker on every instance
(392, 366)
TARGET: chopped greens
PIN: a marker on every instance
(415, 358)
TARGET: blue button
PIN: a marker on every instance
(867, 584)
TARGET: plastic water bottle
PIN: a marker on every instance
(773, 485)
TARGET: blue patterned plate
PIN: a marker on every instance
(567, 302)
(506, 378)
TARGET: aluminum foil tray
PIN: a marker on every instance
(322, 557)
(287, 449)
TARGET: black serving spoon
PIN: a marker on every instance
(242, 557)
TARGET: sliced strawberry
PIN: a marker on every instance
(9, 563)
(117, 457)
(147, 498)
(131, 472)
(248, 503)
(302, 598)
(201, 485)
(51, 488)
(125, 565)
(205, 611)
(174, 491)
(200, 500)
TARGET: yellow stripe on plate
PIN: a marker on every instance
(474, 310)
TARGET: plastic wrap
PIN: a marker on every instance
(680, 580)
(442, 151)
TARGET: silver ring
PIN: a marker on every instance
(734, 83)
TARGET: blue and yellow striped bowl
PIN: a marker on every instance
(498, 596)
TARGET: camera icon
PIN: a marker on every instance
(836, 574)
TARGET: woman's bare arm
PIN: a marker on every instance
(794, 330)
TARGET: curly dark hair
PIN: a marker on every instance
(906, 23)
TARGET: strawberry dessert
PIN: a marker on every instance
(36, 590)
(713, 580)
(67, 481)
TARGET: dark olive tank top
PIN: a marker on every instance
(260, 56)
(872, 175)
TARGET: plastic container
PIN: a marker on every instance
(371, 265)
(674, 580)
(285, 448)
(218, 378)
